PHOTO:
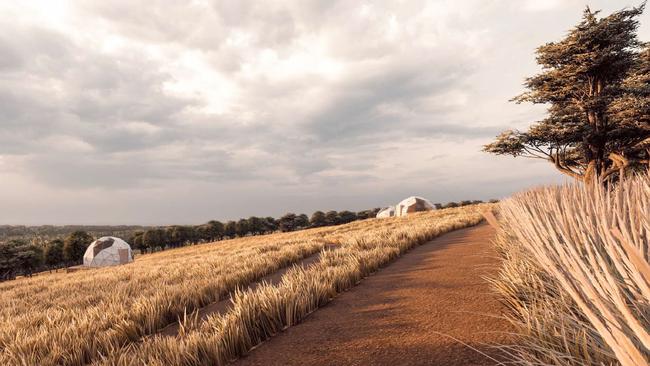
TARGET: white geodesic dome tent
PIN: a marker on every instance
(108, 251)
(413, 204)
(387, 212)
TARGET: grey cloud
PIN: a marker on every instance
(355, 113)
(85, 106)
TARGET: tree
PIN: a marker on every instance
(287, 222)
(178, 235)
(301, 221)
(29, 257)
(152, 238)
(216, 230)
(332, 218)
(53, 253)
(345, 217)
(192, 234)
(242, 227)
(74, 246)
(271, 224)
(583, 81)
(256, 225)
(8, 261)
(362, 215)
(203, 232)
(317, 219)
(230, 230)
(632, 109)
(136, 241)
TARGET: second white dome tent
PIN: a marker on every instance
(406, 206)
(108, 251)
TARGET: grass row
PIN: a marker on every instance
(259, 314)
(73, 319)
(83, 317)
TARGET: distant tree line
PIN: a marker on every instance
(461, 203)
(24, 256)
(160, 238)
(20, 256)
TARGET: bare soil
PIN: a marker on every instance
(430, 307)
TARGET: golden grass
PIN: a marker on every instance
(259, 314)
(105, 314)
(576, 275)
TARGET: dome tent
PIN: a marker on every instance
(413, 204)
(387, 212)
(107, 251)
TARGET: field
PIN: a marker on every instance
(108, 315)
(576, 274)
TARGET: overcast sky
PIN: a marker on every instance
(161, 112)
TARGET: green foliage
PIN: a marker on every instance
(595, 82)
(257, 225)
(242, 227)
(75, 246)
(271, 224)
(29, 257)
(332, 218)
(151, 239)
(136, 241)
(216, 229)
(302, 221)
(8, 260)
(179, 235)
(287, 222)
(230, 229)
(53, 253)
(156, 238)
(345, 217)
(317, 219)
(203, 233)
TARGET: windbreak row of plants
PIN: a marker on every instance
(24, 256)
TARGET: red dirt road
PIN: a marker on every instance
(405, 313)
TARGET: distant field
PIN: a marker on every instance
(82, 317)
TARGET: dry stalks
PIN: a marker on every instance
(259, 314)
(576, 274)
(87, 316)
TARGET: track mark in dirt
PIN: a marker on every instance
(222, 306)
(429, 307)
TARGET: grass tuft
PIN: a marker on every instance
(576, 276)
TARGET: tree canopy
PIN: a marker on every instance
(595, 82)
(75, 245)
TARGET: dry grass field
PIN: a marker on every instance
(576, 274)
(107, 315)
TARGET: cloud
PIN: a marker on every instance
(259, 107)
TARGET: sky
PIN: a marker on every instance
(178, 112)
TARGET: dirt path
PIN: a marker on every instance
(222, 306)
(405, 314)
